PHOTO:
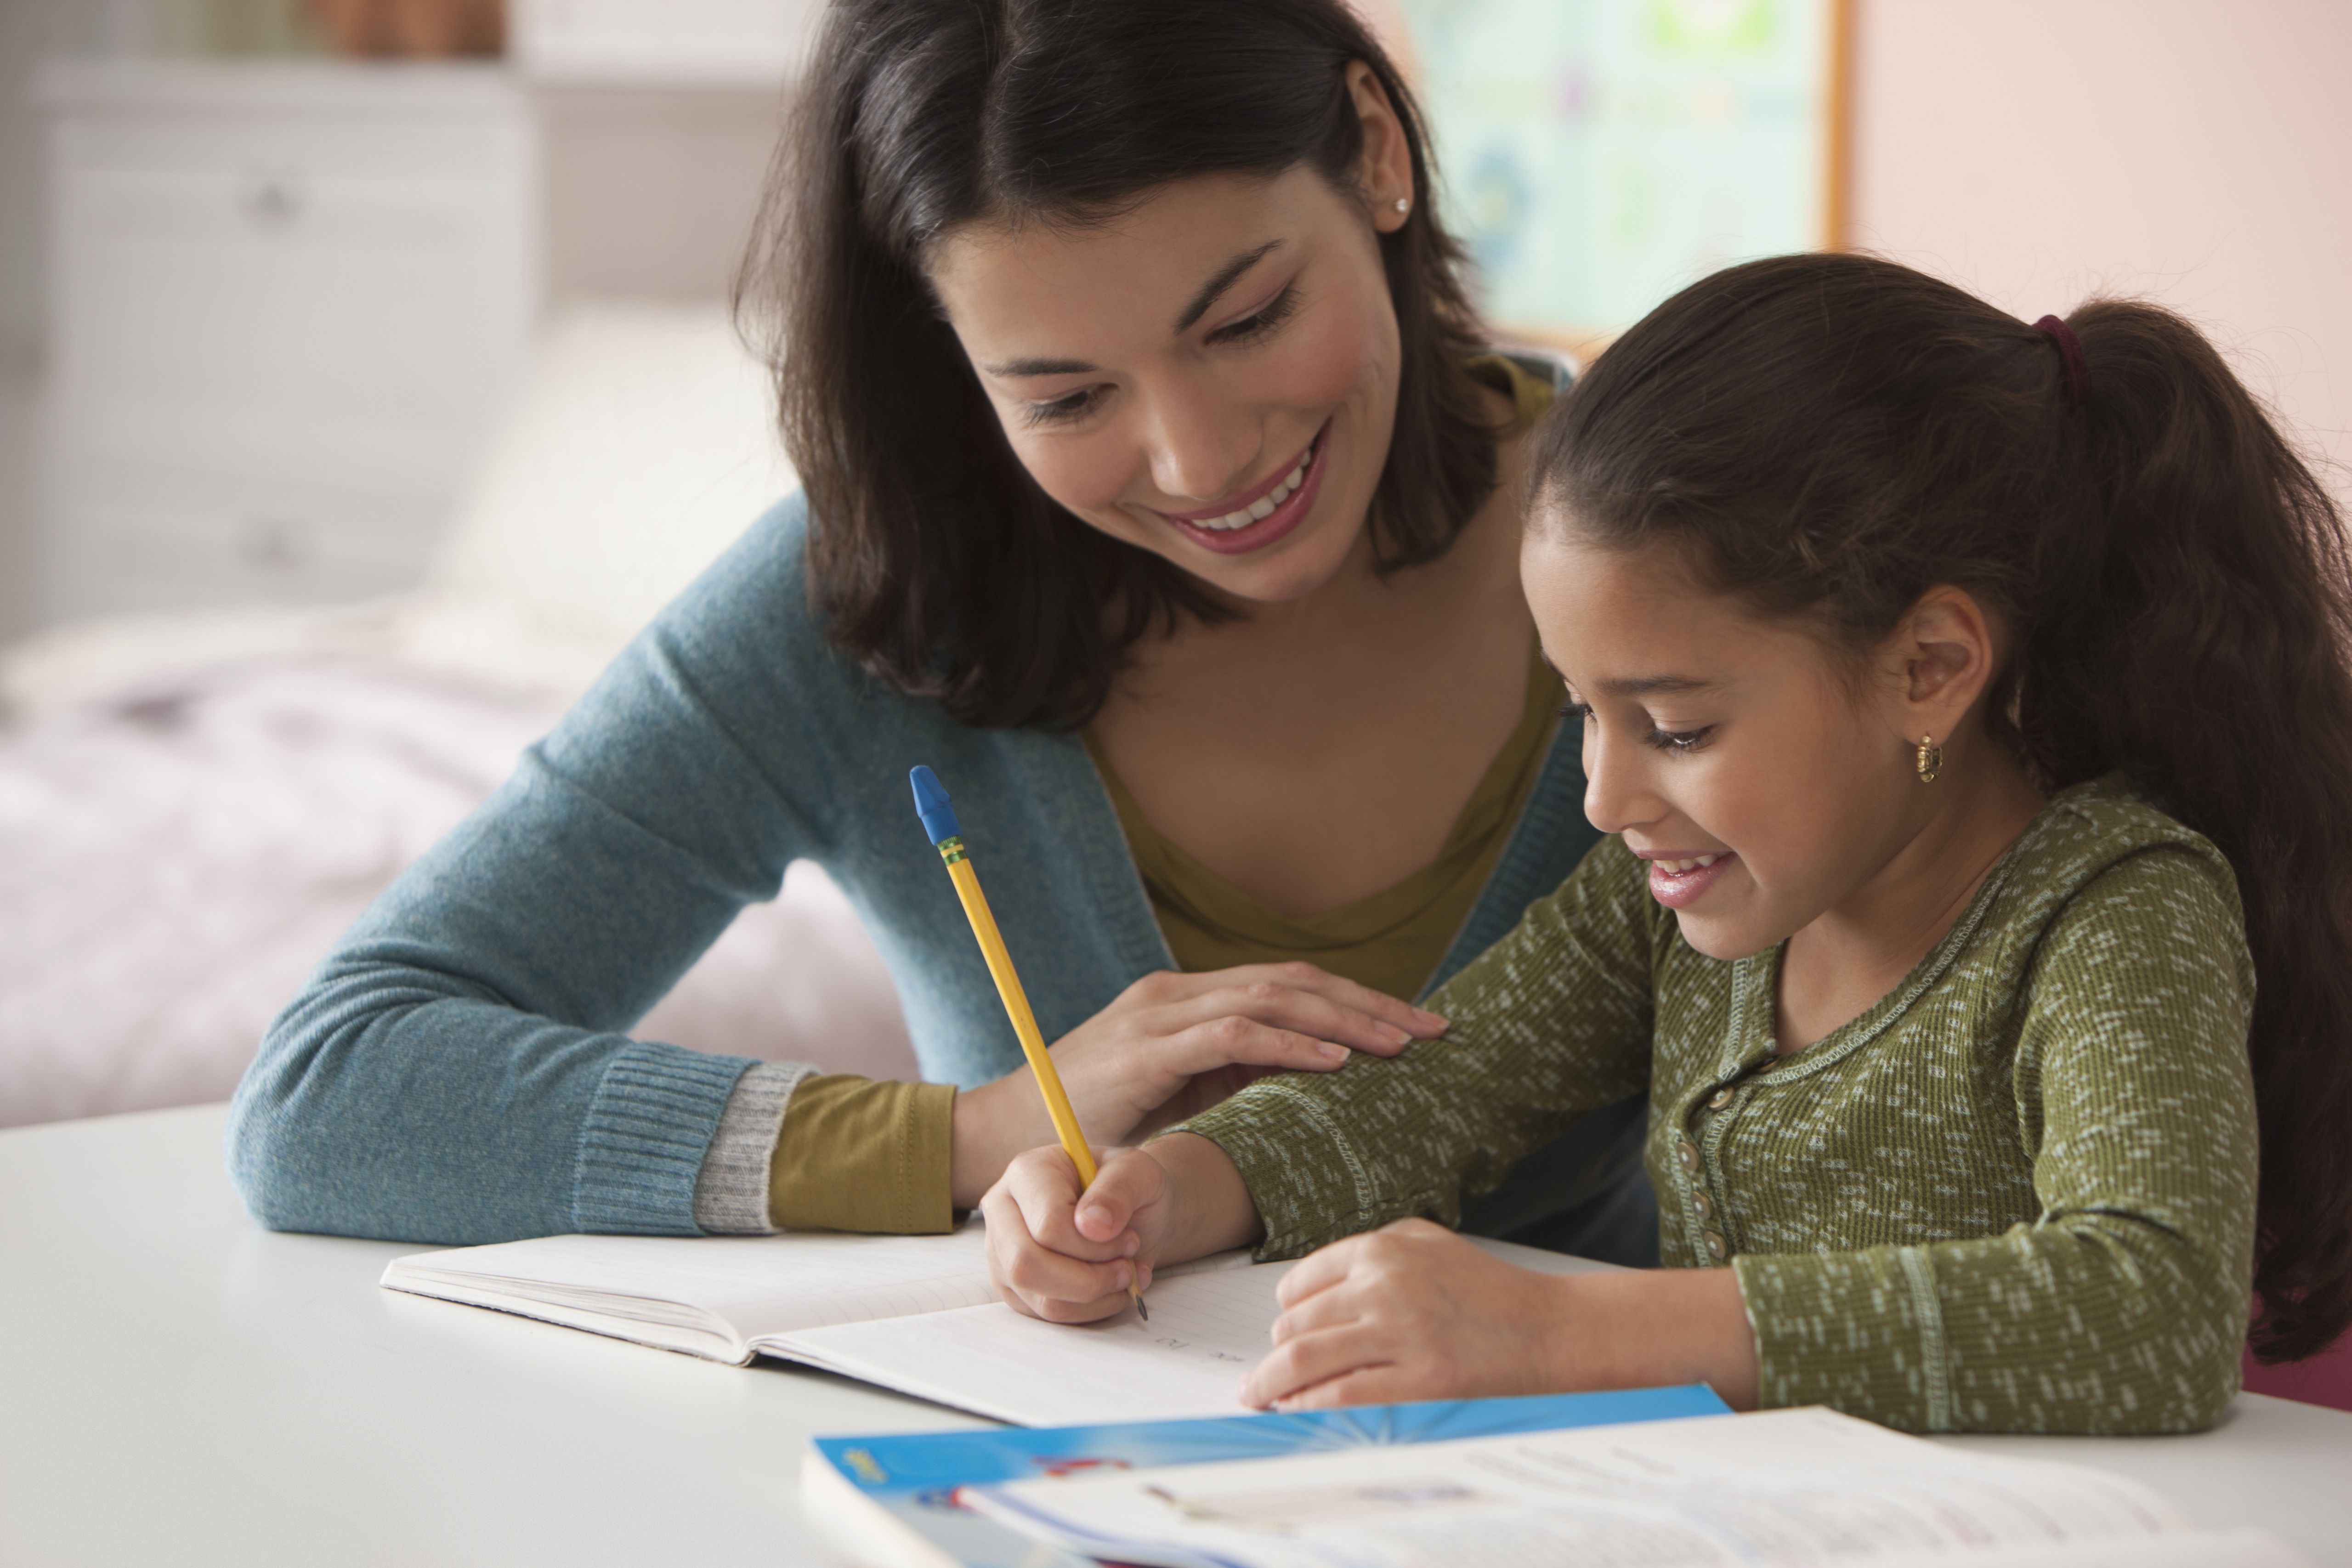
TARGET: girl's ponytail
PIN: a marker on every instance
(2192, 631)
(1830, 436)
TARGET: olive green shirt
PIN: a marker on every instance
(2015, 1195)
(1391, 940)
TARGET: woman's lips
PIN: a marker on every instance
(1681, 889)
(1286, 514)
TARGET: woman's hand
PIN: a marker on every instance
(1413, 1311)
(1174, 1044)
(1066, 1257)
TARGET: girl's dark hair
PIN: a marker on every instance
(1829, 437)
(934, 559)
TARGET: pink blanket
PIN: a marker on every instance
(175, 860)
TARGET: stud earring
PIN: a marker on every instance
(1403, 204)
(1931, 759)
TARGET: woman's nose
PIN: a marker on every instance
(1202, 447)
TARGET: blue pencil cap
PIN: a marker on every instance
(931, 805)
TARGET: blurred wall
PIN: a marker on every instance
(30, 29)
(2193, 151)
(650, 191)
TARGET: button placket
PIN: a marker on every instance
(1704, 1159)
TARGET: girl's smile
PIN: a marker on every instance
(1679, 880)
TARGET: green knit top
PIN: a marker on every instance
(2016, 1194)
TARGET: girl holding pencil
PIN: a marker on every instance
(1968, 704)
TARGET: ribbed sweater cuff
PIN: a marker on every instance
(647, 1130)
(731, 1197)
(1859, 1332)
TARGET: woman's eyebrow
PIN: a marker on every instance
(1224, 278)
(1040, 368)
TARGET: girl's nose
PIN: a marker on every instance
(1616, 790)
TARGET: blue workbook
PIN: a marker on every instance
(891, 1499)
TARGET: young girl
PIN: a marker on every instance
(1969, 701)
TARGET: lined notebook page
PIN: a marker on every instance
(755, 1284)
(1207, 1330)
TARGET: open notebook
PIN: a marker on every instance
(911, 1312)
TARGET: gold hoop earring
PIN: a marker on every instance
(1931, 759)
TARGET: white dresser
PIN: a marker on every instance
(284, 301)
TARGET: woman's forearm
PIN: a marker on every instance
(993, 1124)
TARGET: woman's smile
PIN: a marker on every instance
(1263, 514)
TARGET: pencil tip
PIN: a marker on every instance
(1141, 1311)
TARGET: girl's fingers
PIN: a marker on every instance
(1318, 1271)
(1310, 1359)
(1124, 1182)
(1045, 1283)
(1064, 1290)
(1041, 1187)
(1367, 1385)
(1323, 1310)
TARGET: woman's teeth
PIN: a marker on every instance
(1257, 511)
(1679, 867)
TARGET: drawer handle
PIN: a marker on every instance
(274, 543)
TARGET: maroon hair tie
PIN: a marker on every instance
(2070, 349)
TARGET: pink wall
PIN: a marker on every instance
(2196, 150)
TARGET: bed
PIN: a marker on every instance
(194, 805)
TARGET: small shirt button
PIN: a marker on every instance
(1721, 1098)
(1705, 1208)
(1714, 1243)
(1687, 1155)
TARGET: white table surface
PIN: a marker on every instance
(178, 1384)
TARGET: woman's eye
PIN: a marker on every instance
(1251, 328)
(1678, 740)
(1572, 709)
(1062, 408)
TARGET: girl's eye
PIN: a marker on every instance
(1249, 328)
(1678, 741)
(1076, 405)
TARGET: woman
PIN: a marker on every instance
(1158, 498)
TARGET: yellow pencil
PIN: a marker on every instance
(940, 822)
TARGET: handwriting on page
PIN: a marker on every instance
(1206, 1330)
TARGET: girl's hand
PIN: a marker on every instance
(1066, 1257)
(1051, 1259)
(1407, 1311)
(1174, 1044)
(1413, 1311)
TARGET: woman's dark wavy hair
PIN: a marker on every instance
(934, 559)
(1829, 437)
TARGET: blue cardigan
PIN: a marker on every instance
(460, 1068)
